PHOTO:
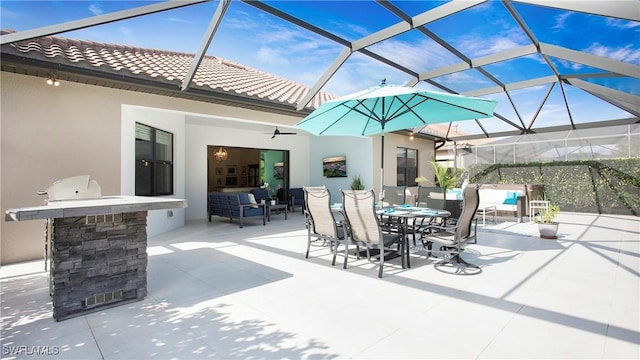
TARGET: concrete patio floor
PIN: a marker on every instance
(217, 291)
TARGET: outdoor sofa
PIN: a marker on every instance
(235, 205)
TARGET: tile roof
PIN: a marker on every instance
(214, 73)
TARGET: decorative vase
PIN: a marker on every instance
(273, 202)
(548, 230)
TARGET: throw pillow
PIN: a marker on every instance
(252, 200)
(512, 198)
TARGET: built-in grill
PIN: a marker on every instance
(96, 246)
(73, 188)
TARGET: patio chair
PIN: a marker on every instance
(260, 194)
(296, 198)
(394, 195)
(433, 197)
(453, 238)
(363, 227)
(321, 224)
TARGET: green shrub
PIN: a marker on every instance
(610, 186)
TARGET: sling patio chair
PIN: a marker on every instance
(453, 238)
(321, 224)
(433, 197)
(363, 227)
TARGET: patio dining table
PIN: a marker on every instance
(402, 215)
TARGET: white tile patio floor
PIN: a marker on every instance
(217, 291)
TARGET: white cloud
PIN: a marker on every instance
(560, 20)
(125, 30)
(272, 56)
(622, 24)
(95, 9)
(478, 44)
(422, 55)
(626, 53)
(178, 20)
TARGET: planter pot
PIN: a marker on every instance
(273, 202)
(548, 230)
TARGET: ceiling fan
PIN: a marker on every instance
(278, 132)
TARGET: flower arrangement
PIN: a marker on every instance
(272, 191)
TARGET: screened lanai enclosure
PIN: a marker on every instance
(570, 66)
(585, 144)
(551, 65)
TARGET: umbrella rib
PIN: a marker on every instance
(320, 113)
(405, 108)
(458, 106)
(333, 123)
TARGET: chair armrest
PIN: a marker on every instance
(451, 228)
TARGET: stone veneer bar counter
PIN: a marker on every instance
(98, 250)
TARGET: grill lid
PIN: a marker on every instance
(73, 188)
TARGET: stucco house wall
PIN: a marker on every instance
(49, 133)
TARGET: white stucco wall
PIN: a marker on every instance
(357, 151)
(49, 133)
(200, 135)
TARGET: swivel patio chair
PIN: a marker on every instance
(453, 238)
(321, 224)
(363, 227)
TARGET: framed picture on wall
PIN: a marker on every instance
(231, 170)
(334, 166)
(231, 180)
(278, 170)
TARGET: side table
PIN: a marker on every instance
(277, 207)
(537, 204)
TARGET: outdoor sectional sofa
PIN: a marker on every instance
(235, 205)
(509, 199)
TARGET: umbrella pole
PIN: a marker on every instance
(382, 164)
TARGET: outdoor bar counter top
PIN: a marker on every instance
(99, 206)
(96, 249)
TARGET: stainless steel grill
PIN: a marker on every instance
(73, 188)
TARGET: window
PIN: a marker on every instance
(407, 160)
(154, 161)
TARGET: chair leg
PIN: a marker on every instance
(334, 250)
(346, 253)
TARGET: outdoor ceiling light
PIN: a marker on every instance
(52, 80)
(221, 154)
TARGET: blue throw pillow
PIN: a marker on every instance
(512, 198)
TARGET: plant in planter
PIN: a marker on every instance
(356, 183)
(446, 177)
(547, 226)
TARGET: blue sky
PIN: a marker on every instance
(253, 38)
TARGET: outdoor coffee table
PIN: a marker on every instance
(277, 208)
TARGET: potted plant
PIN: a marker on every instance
(356, 183)
(547, 226)
(446, 177)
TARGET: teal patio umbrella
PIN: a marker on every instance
(387, 108)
